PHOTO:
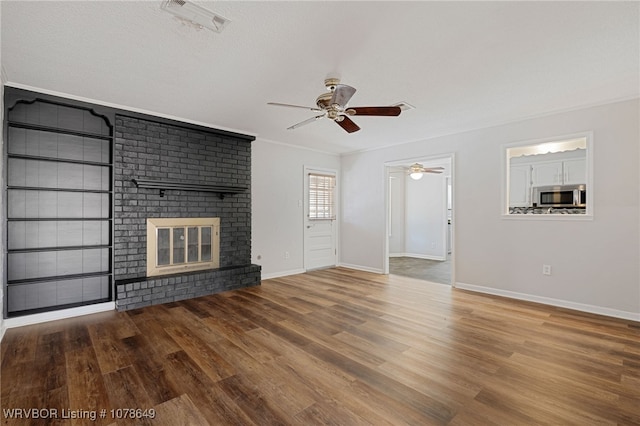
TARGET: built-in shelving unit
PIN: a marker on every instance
(59, 207)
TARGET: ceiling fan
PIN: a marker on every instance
(333, 105)
(416, 170)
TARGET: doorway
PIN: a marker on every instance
(419, 231)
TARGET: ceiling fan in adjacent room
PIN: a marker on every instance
(333, 105)
(416, 170)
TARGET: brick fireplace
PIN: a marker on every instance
(213, 173)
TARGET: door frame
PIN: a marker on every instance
(387, 205)
(306, 169)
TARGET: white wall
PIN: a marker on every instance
(426, 217)
(594, 263)
(277, 193)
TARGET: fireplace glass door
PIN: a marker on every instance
(181, 244)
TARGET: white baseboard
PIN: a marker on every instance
(417, 256)
(424, 256)
(61, 314)
(600, 310)
(3, 328)
(282, 274)
(361, 268)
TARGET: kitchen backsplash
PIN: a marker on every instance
(545, 210)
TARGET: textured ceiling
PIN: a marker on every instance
(463, 65)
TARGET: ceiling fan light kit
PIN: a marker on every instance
(333, 105)
(416, 170)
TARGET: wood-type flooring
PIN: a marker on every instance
(335, 346)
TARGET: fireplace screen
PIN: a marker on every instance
(182, 244)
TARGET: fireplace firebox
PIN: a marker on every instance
(177, 245)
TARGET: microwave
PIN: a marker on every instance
(560, 196)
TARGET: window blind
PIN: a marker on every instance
(321, 196)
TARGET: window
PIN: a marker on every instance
(321, 197)
(182, 244)
(549, 179)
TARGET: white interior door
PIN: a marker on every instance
(319, 219)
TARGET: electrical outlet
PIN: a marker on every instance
(546, 269)
(286, 255)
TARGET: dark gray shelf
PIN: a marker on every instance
(64, 248)
(80, 133)
(59, 219)
(165, 185)
(59, 160)
(41, 188)
(59, 278)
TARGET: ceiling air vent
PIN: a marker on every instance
(194, 15)
(404, 106)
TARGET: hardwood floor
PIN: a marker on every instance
(330, 347)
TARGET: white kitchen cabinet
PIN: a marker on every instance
(566, 172)
(575, 171)
(520, 185)
(547, 173)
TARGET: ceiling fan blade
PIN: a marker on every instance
(342, 94)
(389, 111)
(295, 106)
(347, 124)
(307, 121)
(419, 168)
